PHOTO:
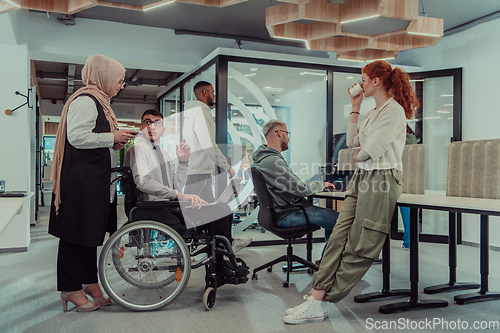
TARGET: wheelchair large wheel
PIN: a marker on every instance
(144, 266)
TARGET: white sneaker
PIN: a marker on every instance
(238, 243)
(310, 311)
(291, 310)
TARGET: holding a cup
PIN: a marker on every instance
(356, 89)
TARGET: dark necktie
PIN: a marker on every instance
(163, 166)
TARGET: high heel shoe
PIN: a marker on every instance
(102, 301)
(87, 307)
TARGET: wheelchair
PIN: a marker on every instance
(146, 265)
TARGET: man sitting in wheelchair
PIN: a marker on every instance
(156, 179)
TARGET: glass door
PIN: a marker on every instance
(436, 124)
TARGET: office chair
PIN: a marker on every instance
(266, 219)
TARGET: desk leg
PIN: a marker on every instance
(452, 252)
(386, 272)
(413, 303)
(483, 294)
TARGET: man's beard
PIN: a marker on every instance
(211, 104)
(284, 146)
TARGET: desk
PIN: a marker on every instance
(484, 207)
(15, 224)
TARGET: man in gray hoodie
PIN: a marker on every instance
(199, 133)
(285, 187)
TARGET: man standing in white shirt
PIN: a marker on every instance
(199, 133)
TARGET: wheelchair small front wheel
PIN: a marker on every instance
(209, 298)
(144, 266)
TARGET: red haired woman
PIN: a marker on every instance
(363, 223)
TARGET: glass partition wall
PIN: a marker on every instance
(311, 99)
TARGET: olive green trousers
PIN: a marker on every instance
(360, 231)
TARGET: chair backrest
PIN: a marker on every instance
(129, 190)
(266, 215)
(346, 161)
(474, 169)
(346, 166)
(413, 169)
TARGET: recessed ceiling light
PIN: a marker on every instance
(309, 90)
(347, 59)
(359, 19)
(447, 95)
(442, 111)
(251, 74)
(447, 104)
(277, 100)
(253, 68)
(350, 77)
(422, 34)
(240, 97)
(306, 43)
(274, 89)
(312, 73)
(417, 80)
(158, 5)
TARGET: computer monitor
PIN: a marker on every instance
(339, 142)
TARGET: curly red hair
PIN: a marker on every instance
(397, 83)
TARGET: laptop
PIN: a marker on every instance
(12, 194)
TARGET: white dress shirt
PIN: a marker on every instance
(142, 159)
(199, 133)
(81, 120)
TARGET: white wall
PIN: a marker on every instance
(477, 51)
(15, 136)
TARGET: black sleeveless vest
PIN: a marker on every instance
(85, 212)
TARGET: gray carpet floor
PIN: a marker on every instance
(29, 301)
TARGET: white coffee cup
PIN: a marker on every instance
(356, 89)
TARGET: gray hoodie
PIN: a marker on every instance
(199, 133)
(283, 184)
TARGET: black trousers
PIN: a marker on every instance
(76, 265)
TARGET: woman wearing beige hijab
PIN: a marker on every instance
(83, 202)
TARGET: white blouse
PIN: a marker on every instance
(381, 137)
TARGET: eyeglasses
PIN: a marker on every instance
(122, 83)
(289, 134)
(149, 122)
